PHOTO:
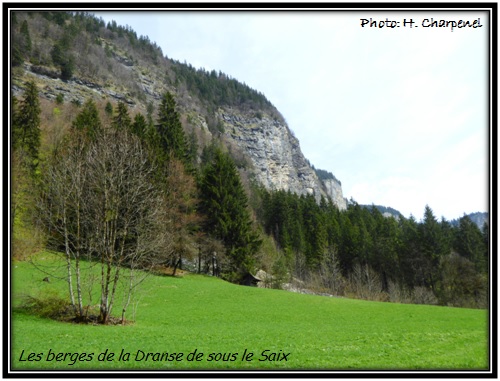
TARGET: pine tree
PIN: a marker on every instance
(170, 129)
(27, 39)
(14, 117)
(192, 146)
(26, 126)
(17, 56)
(150, 108)
(88, 120)
(109, 108)
(410, 257)
(139, 126)
(62, 56)
(315, 232)
(485, 233)
(432, 245)
(122, 119)
(224, 203)
(469, 242)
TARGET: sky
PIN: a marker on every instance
(398, 115)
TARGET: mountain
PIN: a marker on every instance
(75, 55)
(385, 210)
(275, 153)
(479, 218)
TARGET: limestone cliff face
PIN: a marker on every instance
(278, 161)
(334, 190)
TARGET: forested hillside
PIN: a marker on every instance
(112, 168)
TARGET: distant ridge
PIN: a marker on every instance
(385, 210)
(479, 218)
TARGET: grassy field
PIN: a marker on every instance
(223, 321)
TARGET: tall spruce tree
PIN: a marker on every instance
(469, 243)
(27, 39)
(26, 126)
(224, 203)
(139, 126)
(432, 246)
(411, 263)
(88, 120)
(62, 56)
(485, 233)
(170, 129)
(122, 119)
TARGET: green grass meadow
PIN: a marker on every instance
(223, 320)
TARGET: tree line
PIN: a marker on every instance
(361, 253)
(67, 41)
(217, 88)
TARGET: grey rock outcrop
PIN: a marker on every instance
(334, 190)
(278, 161)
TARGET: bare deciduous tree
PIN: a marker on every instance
(100, 203)
(365, 282)
(181, 208)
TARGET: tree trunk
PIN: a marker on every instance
(68, 261)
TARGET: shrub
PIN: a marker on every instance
(60, 99)
(422, 295)
(49, 305)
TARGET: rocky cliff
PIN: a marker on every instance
(275, 153)
(277, 160)
(123, 72)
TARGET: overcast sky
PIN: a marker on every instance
(398, 115)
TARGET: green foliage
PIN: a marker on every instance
(139, 126)
(67, 68)
(48, 305)
(109, 108)
(21, 42)
(60, 99)
(192, 145)
(171, 133)
(224, 204)
(88, 119)
(122, 119)
(217, 89)
(461, 285)
(62, 56)
(14, 18)
(325, 175)
(27, 39)
(469, 243)
(307, 235)
(26, 126)
(384, 209)
(402, 252)
(17, 57)
(142, 43)
(433, 246)
(149, 112)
